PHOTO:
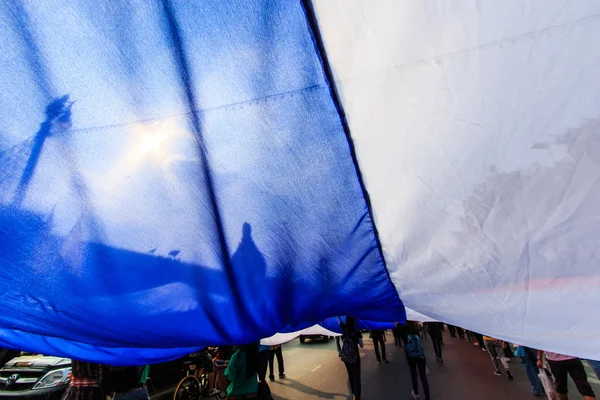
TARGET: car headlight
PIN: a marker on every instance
(53, 378)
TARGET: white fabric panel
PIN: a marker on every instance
(412, 315)
(477, 129)
(280, 338)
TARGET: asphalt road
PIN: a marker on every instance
(314, 371)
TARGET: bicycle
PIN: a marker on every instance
(195, 384)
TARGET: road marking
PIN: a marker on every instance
(316, 368)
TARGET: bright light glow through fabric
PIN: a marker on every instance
(174, 175)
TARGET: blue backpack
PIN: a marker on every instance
(413, 347)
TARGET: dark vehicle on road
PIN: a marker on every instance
(303, 338)
(35, 377)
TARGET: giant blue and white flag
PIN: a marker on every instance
(179, 174)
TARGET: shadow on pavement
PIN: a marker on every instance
(308, 390)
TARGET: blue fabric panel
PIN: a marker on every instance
(173, 175)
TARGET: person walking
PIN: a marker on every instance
(397, 332)
(415, 357)
(461, 332)
(423, 330)
(528, 359)
(561, 366)
(241, 375)
(264, 356)
(86, 379)
(378, 337)
(351, 339)
(452, 330)
(479, 341)
(128, 383)
(496, 351)
(435, 332)
(338, 344)
(276, 351)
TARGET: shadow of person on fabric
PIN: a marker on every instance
(136, 289)
(80, 272)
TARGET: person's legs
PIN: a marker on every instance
(279, 354)
(479, 338)
(579, 376)
(529, 363)
(376, 346)
(437, 347)
(493, 355)
(350, 370)
(500, 352)
(263, 362)
(560, 371)
(397, 338)
(383, 355)
(271, 366)
(422, 366)
(338, 345)
(357, 382)
(412, 366)
(211, 381)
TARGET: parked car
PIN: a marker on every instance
(40, 377)
(35, 377)
(303, 338)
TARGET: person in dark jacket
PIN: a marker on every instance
(276, 351)
(397, 331)
(378, 337)
(352, 338)
(128, 383)
(452, 330)
(415, 357)
(435, 332)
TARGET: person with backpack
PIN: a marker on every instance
(351, 339)
(415, 357)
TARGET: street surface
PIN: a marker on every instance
(314, 371)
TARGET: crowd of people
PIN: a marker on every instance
(551, 381)
(241, 371)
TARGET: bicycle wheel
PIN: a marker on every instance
(187, 389)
